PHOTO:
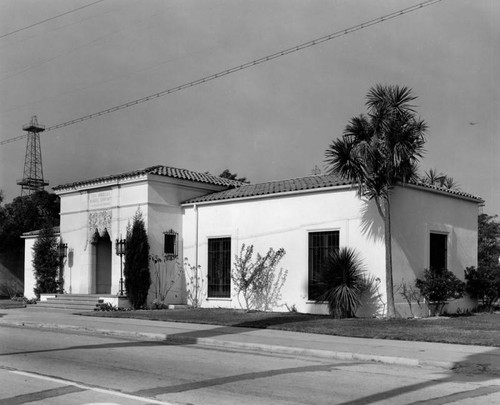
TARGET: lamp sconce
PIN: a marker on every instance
(170, 244)
(121, 247)
(62, 250)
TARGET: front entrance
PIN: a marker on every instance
(103, 265)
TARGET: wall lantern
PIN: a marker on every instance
(121, 249)
(170, 242)
(62, 250)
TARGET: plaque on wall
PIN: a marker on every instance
(100, 199)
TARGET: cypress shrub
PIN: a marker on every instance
(46, 262)
(136, 269)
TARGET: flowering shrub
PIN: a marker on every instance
(258, 281)
(438, 287)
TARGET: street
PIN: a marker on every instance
(45, 367)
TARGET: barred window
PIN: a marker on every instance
(219, 268)
(321, 245)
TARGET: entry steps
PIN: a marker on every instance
(82, 302)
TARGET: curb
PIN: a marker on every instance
(256, 347)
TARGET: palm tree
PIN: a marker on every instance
(378, 151)
(433, 178)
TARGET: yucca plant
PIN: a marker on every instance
(340, 283)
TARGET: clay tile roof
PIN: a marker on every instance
(457, 193)
(302, 184)
(158, 170)
(273, 187)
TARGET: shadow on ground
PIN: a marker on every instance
(477, 368)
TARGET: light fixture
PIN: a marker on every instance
(121, 249)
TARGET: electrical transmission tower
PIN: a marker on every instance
(33, 172)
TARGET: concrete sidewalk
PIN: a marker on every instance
(445, 356)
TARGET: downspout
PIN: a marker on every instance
(196, 251)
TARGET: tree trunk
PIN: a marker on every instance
(389, 284)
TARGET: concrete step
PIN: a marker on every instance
(72, 301)
(45, 305)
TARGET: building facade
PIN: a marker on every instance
(197, 223)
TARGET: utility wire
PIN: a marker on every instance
(49, 19)
(240, 67)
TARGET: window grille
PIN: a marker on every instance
(321, 245)
(219, 268)
(170, 242)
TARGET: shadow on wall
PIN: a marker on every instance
(407, 265)
(372, 225)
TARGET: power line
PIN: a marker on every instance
(49, 19)
(240, 67)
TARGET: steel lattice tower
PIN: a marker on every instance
(33, 172)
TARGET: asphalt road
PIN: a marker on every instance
(46, 367)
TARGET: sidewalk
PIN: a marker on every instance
(423, 354)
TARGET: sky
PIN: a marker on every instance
(269, 122)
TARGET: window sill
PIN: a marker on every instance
(219, 299)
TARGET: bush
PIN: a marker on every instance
(438, 287)
(46, 262)
(483, 284)
(136, 269)
(164, 279)
(195, 284)
(341, 283)
(257, 280)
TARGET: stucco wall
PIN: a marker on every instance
(283, 222)
(415, 214)
(29, 278)
(111, 206)
(112, 209)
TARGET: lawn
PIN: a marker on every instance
(479, 329)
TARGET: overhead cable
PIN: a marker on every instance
(226, 72)
(49, 19)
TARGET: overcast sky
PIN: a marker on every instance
(269, 122)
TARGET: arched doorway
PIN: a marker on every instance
(103, 264)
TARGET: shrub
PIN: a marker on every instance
(136, 269)
(195, 284)
(46, 262)
(438, 287)
(257, 281)
(341, 283)
(164, 279)
(411, 294)
(483, 284)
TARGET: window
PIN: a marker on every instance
(170, 244)
(219, 268)
(321, 245)
(438, 248)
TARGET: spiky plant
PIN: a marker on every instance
(340, 283)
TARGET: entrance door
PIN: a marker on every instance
(103, 265)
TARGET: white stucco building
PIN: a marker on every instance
(207, 219)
